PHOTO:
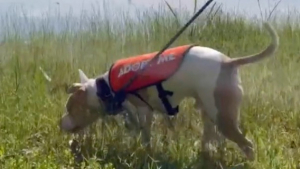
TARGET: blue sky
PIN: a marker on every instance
(36, 8)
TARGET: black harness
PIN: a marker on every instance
(162, 94)
(113, 103)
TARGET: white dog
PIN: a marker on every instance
(205, 74)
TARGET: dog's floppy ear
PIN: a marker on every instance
(83, 77)
(74, 88)
(78, 98)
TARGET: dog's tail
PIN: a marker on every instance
(269, 51)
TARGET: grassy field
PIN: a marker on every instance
(30, 106)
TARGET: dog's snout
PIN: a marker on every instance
(66, 123)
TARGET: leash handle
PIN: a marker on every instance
(167, 45)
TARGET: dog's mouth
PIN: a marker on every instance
(68, 125)
(74, 130)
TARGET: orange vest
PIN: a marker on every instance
(159, 70)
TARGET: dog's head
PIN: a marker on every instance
(82, 106)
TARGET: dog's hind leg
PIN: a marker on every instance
(228, 99)
(221, 107)
(210, 132)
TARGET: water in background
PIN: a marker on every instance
(28, 16)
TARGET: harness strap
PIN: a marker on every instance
(111, 103)
(162, 94)
(142, 99)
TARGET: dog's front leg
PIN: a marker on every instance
(169, 122)
(130, 119)
(145, 115)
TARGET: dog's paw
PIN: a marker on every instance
(74, 147)
(249, 152)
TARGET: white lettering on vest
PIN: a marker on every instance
(162, 59)
(140, 65)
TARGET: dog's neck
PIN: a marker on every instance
(92, 89)
(100, 95)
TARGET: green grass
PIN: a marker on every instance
(30, 109)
